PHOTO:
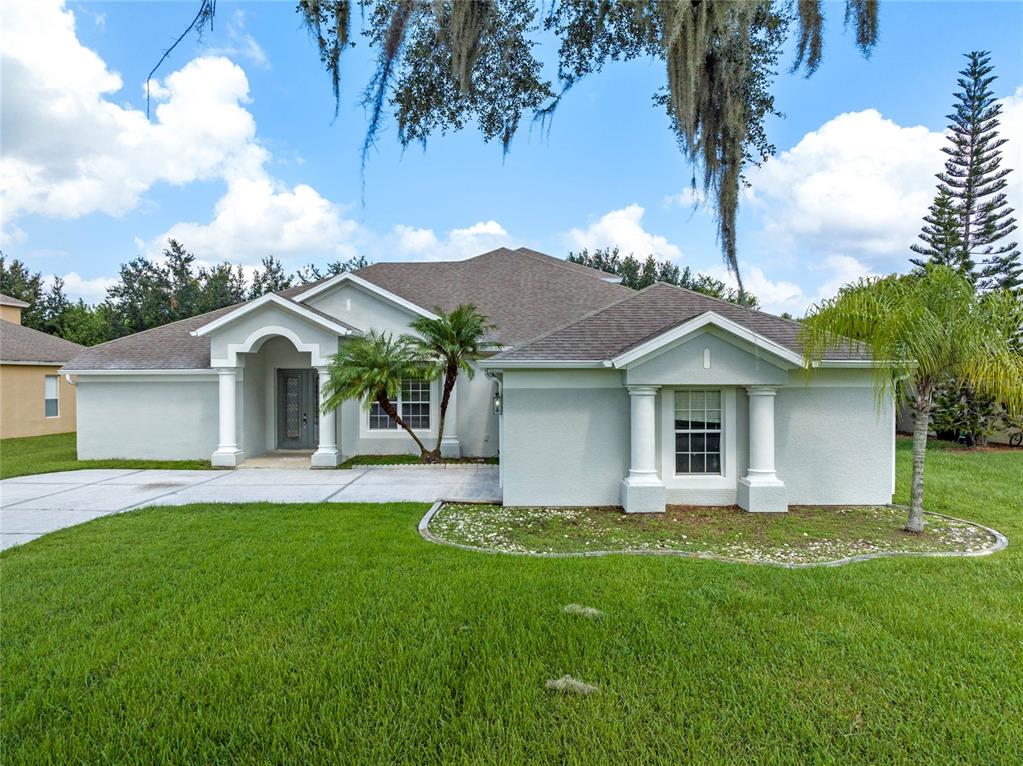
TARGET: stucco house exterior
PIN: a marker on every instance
(35, 399)
(599, 395)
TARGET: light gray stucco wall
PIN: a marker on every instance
(270, 315)
(683, 364)
(362, 309)
(153, 418)
(566, 439)
(832, 443)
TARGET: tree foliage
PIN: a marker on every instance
(970, 221)
(450, 342)
(638, 274)
(923, 328)
(443, 64)
(371, 368)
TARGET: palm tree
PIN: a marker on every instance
(451, 342)
(372, 368)
(922, 328)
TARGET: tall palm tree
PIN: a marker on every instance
(451, 342)
(372, 367)
(922, 328)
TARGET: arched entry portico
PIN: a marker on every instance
(272, 359)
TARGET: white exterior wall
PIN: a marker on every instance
(833, 444)
(155, 417)
(360, 308)
(566, 437)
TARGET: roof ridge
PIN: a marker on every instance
(604, 276)
(728, 302)
(583, 318)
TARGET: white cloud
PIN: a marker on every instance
(779, 296)
(69, 150)
(259, 216)
(689, 197)
(860, 183)
(624, 229)
(91, 290)
(241, 45)
(408, 241)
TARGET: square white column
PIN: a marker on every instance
(642, 490)
(327, 454)
(228, 455)
(450, 444)
(760, 490)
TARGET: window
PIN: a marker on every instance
(413, 404)
(51, 396)
(698, 432)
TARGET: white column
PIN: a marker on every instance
(761, 489)
(450, 446)
(643, 490)
(761, 433)
(327, 454)
(228, 455)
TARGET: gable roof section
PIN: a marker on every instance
(167, 347)
(522, 292)
(306, 312)
(641, 319)
(23, 345)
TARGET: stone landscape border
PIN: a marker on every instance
(1000, 543)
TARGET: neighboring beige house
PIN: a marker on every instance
(35, 399)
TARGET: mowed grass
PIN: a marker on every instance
(58, 452)
(310, 634)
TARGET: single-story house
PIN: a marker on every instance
(599, 395)
(35, 399)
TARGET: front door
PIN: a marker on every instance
(297, 420)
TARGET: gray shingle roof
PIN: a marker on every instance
(23, 344)
(646, 314)
(7, 300)
(523, 292)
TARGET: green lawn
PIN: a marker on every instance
(308, 634)
(43, 454)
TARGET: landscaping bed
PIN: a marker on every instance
(804, 535)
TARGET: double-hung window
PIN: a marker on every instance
(51, 396)
(413, 403)
(698, 431)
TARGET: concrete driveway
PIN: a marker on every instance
(31, 506)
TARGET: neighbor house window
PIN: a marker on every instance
(51, 396)
(698, 431)
(413, 404)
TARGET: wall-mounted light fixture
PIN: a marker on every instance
(497, 403)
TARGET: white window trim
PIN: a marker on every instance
(46, 398)
(365, 432)
(728, 477)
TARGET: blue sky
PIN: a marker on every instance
(242, 157)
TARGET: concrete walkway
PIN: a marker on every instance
(31, 506)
